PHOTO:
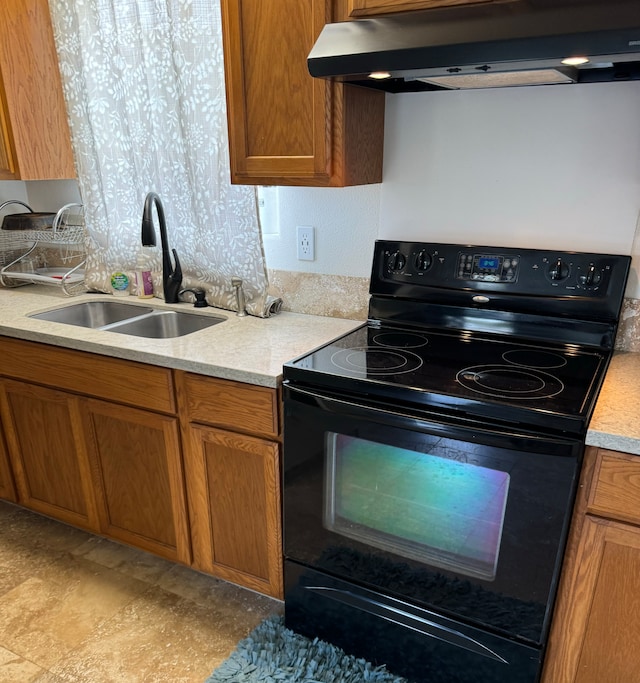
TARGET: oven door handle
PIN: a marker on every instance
(360, 409)
(451, 426)
(397, 615)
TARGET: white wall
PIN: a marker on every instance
(346, 222)
(555, 166)
(53, 194)
(550, 166)
(41, 195)
(13, 189)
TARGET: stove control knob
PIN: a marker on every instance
(423, 261)
(591, 278)
(558, 270)
(396, 261)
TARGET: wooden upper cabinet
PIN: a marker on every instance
(360, 8)
(7, 163)
(34, 133)
(285, 127)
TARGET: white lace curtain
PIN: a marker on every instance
(144, 86)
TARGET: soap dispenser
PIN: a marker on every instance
(143, 280)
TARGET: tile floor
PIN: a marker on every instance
(75, 608)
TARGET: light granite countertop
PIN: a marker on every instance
(616, 420)
(245, 349)
(253, 350)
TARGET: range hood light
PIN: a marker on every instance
(575, 61)
(379, 75)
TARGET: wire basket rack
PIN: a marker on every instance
(24, 254)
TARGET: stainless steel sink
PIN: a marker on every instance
(133, 319)
(166, 324)
(93, 314)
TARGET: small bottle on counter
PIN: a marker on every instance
(119, 283)
(143, 281)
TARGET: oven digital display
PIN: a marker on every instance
(489, 263)
(426, 507)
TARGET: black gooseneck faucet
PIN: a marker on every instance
(171, 277)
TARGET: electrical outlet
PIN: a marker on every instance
(305, 240)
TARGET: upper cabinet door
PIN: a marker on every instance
(7, 164)
(358, 8)
(34, 133)
(285, 127)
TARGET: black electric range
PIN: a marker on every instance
(431, 457)
(519, 335)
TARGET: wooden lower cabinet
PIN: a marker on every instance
(180, 465)
(234, 491)
(231, 433)
(596, 627)
(45, 440)
(137, 463)
(7, 488)
(98, 446)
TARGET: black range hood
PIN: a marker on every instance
(496, 44)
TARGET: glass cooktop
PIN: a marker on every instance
(453, 367)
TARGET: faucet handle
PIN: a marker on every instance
(176, 275)
(236, 283)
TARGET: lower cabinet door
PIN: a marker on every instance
(137, 460)
(7, 488)
(46, 446)
(596, 630)
(233, 483)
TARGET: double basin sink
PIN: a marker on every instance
(133, 319)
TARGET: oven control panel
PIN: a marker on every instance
(533, 272)
(518, 271)
(532, 293)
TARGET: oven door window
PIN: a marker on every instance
(443, 512)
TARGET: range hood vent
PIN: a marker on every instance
(499, 43)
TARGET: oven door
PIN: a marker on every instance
(457, 517)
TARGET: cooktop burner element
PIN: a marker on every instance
(400, 340)
(504, 381)
(535, 359)
(375, 361)
(387, 353)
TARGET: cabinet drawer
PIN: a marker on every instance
(117, 380)
(234, 405)
(616, 489)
